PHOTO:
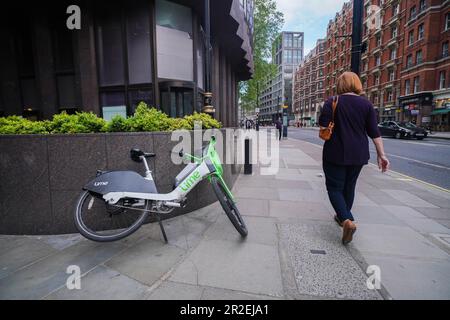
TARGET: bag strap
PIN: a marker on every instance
(334, 106)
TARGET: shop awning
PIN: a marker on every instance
(440, 111)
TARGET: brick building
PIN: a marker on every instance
(309, 85)
(425, 74)
(405, 69)
(338, 47)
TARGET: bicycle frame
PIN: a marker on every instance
(207, 166)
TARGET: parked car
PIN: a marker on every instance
(400, 130)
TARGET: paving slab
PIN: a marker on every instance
(300, 210)
(148, 261)
(322, 265)
(408, 198)
(41, 278)
(374, 215)
(260, 230)
(413, 279)
(242, 266)
(18, 252)
(301, 195)
(103, 284)
(395, 240)
(256, 193)
(253, 207)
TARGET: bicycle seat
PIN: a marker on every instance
(136, 155)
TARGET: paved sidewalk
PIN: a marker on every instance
(293, 250)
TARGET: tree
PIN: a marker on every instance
(268, 22)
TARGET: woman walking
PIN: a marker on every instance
(347, 151)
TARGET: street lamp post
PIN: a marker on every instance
(358, 8)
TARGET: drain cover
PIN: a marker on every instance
(318, 251)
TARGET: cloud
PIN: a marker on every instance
(308, 9)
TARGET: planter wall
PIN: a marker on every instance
(41, 176)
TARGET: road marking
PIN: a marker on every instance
(414, 179)
(428, 144)
(417, 161)
(395, 172)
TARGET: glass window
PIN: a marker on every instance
(407, 87)
(416, 84)
(411, 37)
(113, 103)
(110, 47)
(445, 49)
(201, 62)
(442, 76)
(138, 43)
(419, 57)
(137, 96)
(174, 41)
(421, 32)
(447, 21)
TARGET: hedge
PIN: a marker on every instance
(144, 119)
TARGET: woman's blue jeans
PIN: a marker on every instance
(341, 184)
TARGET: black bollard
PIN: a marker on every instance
(247, 164)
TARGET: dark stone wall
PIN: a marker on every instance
(42, 175)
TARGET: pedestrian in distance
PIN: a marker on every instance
(352, 119)
(279, 126)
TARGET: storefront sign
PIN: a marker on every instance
(414, 112)
(426, 119)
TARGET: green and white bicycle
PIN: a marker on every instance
(116, 203)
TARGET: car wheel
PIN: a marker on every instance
(398, 135)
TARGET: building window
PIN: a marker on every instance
(391, 75)
(419, 57)
(421, 32)
(447, 21)
(422, 6)
(445, 50)
(390, 96)
(124, 58)
(393, 54)
(394, 32)
(174, 41)
(378, 40)
(407, 87)
(377, 79)
(416, 84)
(377, 60)
(411, 37)
(409, 61)
(442, 78)
(412, 13)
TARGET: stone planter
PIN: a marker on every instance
(41, 176)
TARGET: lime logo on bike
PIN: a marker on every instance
(190, 181)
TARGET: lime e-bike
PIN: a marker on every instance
(116, 203)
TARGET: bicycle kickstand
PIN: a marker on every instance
(162, 227)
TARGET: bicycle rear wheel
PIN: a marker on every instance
(98, 221)
(229, 207)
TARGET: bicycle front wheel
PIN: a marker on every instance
(98, 221)
(229, 207)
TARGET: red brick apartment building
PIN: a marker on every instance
(406, 68)
(309, 85)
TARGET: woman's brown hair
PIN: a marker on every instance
(349, 82)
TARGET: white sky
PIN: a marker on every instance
(309, 16)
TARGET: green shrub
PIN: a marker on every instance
(144, 119)
(19, 125)
(207, 121)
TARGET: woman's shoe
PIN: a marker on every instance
(338, 221)
(348, 232)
